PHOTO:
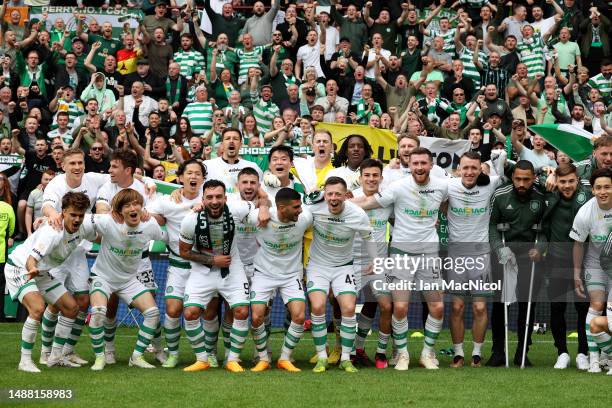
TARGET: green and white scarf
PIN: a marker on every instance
(202, 234)
(177, 94)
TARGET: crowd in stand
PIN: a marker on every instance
(472, 70)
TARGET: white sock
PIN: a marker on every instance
(476, 349)
(28, 338)
(292, 337)
(458, 349)
(593, 349)
(238, 335)
(433, 327)
(47, 326)
(62, 331)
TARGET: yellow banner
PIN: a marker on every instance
(446, 153)
(383, 141)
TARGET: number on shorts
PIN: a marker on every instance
(299, 282)
(247, 291)
(145, 277)
(350, 279)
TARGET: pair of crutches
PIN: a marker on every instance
(503, 227)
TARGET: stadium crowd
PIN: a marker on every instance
(267, 75)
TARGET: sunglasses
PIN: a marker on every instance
(218, 115)
(459, 94)
(96, 149)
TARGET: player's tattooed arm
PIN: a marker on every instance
(187, 253)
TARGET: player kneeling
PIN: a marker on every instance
(116, 270)
(278, 265)
(28, 279)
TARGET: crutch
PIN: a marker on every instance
(503, 227)
(536, 228)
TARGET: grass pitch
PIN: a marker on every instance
(121, 386)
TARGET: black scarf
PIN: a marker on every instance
(202, 234)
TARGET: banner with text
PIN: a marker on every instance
(384, 143)
(117, 17)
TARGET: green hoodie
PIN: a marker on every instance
(105, 97)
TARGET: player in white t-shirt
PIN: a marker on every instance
(123, 163)
(28, 279)
(74, 272)
(280, 160)
(593, 222)
(417, 201)
(468, 225)
(226, 167)
(601, 327)
(393, 172)
(116, 270)
(278, 266)
(170, 213)
(248, 189)
(336, 222)
(208, 240)
(370, 180)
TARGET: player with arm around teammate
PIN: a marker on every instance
(74, 271)
(28, 279)
(124, 238)
(166, 211)
(208, 240)
(375, 295)
(416, 202)
(278, 266)
(123, 164)
(468, 222)
(336, 222)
